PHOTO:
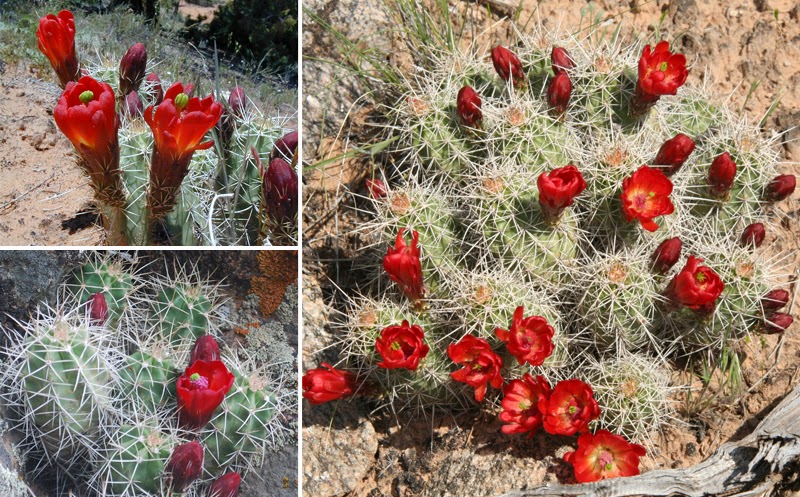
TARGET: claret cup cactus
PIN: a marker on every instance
(569, 219)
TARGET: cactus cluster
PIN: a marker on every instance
(140, 142)
(554, 181)
(95, 393)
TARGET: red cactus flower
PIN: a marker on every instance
(132, 68)
(226, 485)
(520, 404)
(775, 300)
(604, 455)
(56, 35)
(98, 309)
(673, 153)
(558, 92)
(645, 195)
(561, 60)
(156, 89)
(777, 323)
(280, 190)
(326, 383)
(481, 364)
(401, 346)
(721, 175)
(468, 106)
(201, 389)
(666, 255)
(179, 124)
(285, 147)
(205, 348)
(780, 187)
(558, 189)
(753, 235)
(86, 114)
(660, 71)
(696, 287)
(508, 65)
(376, 188)
(185, 465)
(402, 265)
(237, 102)
(569, 409)
(528, 339)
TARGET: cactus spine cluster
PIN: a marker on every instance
(97, 400)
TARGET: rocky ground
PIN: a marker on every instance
(30, 278)
(737, 45)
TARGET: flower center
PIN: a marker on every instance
(524, 405)
(86, 96)
(181, 101)
(572, 409)
(606, 459)
(640, 200)
(395, 345)
(476, 367)
(198, 382)
(700, 277)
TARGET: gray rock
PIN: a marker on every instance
(278, 476)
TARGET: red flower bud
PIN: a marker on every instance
(777, 323)
(205, 349)
(561, 60)
(402, 265)
(376, 187)
(721, 175)
(481, 364)
(468, 105)
(673, 153)
(528, 339)
(98, 309)
(132, 68)
(508, 65)
(279, 184)
(132, 106)
(285, 147)
(775, 300)
(753, 235)
(604, 455)
(558, 92)
(666, 255)
(56, 35)
(569, 409)
(87, 114)
(660, 73)
(645, 195)
(226, 485)
(153, 82)
(237, 102)
(185, 465)
(558, 189)
(401, 347)
(696, 287)
(320, 386)
(201, 389)
(520, 404)
(780, 187)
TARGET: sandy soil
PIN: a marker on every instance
(737, 44)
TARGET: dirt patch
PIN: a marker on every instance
(278, 271)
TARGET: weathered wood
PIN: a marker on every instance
(748, 467)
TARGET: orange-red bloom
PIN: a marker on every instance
(468, 106)
(86, 114)
(481, 364)
(185, 465)
(645, 195)
(696, 287)
(205, 349)
(660, 73)
(56, 35)
(201, 389)
(558, 92)
(403, 266)
(98, 309)
(520, 404)
(558, 189)
(326, 383)
(507, 65)
(666, 255)
(721, 175)
(673, 153)
(528, 339)
(569, 409)
(401, 346)
(604, 455)
(179, 124)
